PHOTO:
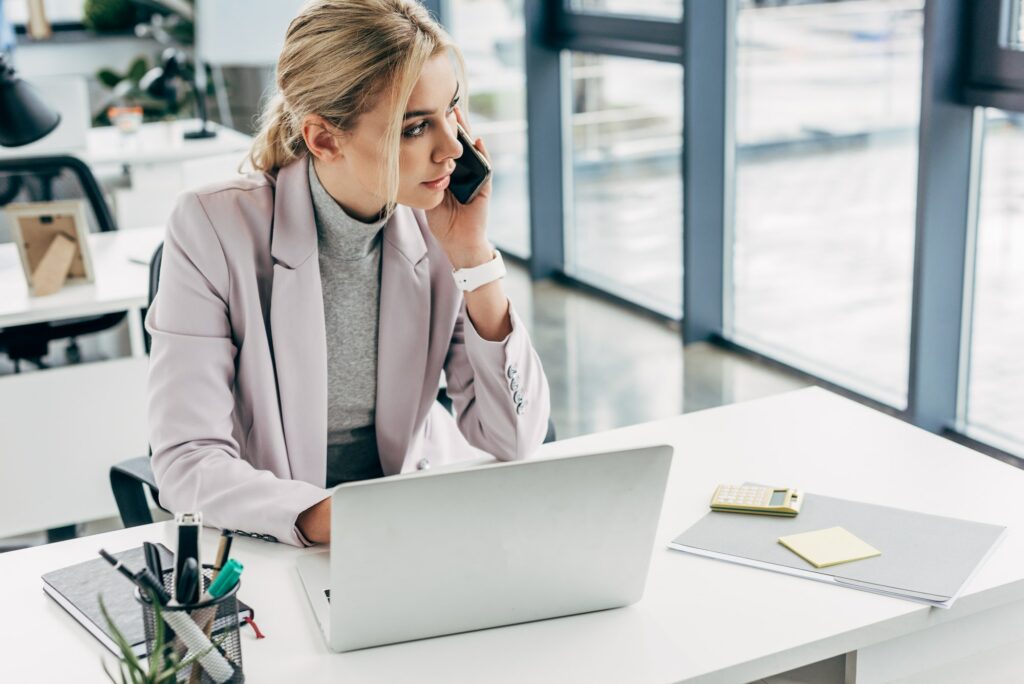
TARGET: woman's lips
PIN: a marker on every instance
(439, 183)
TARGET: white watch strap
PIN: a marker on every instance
(469, 279)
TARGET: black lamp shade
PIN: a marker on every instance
(24, 117)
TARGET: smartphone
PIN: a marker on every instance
(471, 170)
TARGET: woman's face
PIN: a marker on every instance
(428, 148)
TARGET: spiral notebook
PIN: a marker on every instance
(77, 589)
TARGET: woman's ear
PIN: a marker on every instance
(324, 141)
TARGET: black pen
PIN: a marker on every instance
(143, 578)
(187, 590)
(153, 559)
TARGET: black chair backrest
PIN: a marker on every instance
(154, 271)
(154, 283)
(43, 179)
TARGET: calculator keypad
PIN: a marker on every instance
(733, 495)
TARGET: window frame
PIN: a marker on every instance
(994, 69)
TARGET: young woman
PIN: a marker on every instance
(305, 314)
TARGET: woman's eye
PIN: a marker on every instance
(416, 130)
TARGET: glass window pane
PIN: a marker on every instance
(57, 11)
(625, 230)
(828, 101)
(659, 9)
(1017, 23)
(490, 34)
(995, 397)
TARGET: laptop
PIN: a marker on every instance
(454, 550)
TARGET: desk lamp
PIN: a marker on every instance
(163, 82)
(24, 117)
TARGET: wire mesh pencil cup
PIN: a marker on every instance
(215, 621)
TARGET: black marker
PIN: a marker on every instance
(153, 559)
(143, 578)
(187, 588)
(189, 526)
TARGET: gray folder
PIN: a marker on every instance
(926, 558)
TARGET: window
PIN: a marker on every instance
(57, 11)
(660, 9)
(995, 396)
(625, 230)
(995, 61)
(827, 110)
(1016, 25)
(490, 33)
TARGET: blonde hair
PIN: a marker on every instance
(339, 57)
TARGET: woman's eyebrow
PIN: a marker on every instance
(427, 112)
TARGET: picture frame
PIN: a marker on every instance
(49, 263)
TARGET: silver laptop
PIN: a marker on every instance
(455, 550)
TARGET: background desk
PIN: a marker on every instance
(700, 619)
(62, 428)
(144, 173)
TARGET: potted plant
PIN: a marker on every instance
(158, 670)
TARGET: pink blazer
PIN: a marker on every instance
(238, 368)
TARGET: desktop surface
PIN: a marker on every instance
(699, 619)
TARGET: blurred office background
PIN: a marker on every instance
(705, 202)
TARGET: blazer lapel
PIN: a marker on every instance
(298, 335)
(403, 336)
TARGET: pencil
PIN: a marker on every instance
(223, 549)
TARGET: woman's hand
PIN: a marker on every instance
(461, 229)
(315, 522)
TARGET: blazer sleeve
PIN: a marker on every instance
(196, 459)
(498, 389)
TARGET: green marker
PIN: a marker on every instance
(226, 579)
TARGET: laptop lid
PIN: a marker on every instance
(432, 553)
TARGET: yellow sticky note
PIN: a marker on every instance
(832, 546)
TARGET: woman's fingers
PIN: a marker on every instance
(479, 145)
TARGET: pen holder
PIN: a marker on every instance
(215, 620)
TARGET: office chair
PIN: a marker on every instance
(130, 478)
(43, 179)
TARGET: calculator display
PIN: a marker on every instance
(778, 497)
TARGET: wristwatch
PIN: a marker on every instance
(469, 279)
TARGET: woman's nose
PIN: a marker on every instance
(449, 147)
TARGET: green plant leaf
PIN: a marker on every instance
(157, 657)
(138, 69)
(106, 670)
(108, 77)
(128, 656)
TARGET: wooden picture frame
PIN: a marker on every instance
(52, 243)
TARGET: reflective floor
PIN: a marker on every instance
(609, 366)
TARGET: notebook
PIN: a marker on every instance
(77, 589)
(925, 558)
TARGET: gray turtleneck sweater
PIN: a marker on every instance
(350, 263)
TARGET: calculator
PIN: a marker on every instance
(756, 499)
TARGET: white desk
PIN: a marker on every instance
(700, 619)
(145, 172)
(157, 142)
(160, 143)
(62, 428)
(121, 284)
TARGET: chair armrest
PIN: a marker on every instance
(128, 480)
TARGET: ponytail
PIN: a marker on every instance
(277, 143)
